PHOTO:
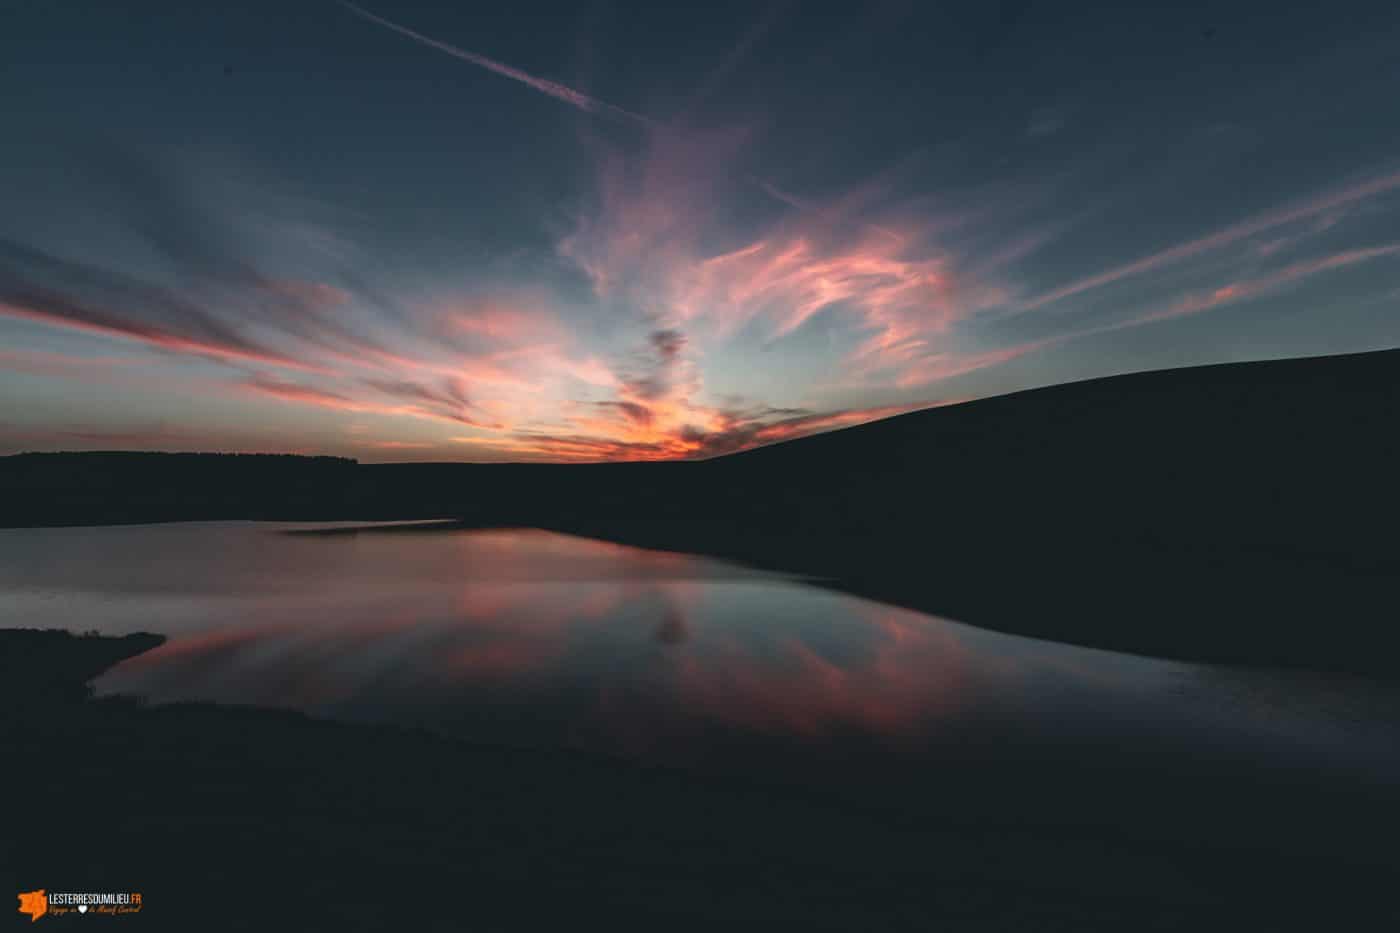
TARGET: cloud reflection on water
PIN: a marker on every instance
(528, 637)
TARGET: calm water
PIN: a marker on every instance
(531, 638)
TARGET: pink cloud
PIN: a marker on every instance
(646, 245)
(432, 407)
(154, 337)
(503, 324)
(1253, 288)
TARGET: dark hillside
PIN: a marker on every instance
(1236, 513)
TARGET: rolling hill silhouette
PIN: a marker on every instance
(1240, 513)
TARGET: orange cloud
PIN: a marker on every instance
(715, 432)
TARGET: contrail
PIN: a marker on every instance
(577, 98)
(738, 53)
(553, 88)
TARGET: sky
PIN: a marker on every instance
(611, 231)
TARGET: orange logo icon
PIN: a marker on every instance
(34, 903)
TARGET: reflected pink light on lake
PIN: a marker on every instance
(659, 639)
(524, 637)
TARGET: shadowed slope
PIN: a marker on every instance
(1239, 513)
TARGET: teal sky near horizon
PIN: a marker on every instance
(607, 231)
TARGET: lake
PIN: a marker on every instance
(528, 638)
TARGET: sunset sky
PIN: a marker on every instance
(597, 231)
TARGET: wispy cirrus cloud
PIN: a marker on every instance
(647, 245)
(1316, 206)
(44, 289)
(419, 401)
(1253, 288)
(645, 249)
(682, 303)
(294, 392)
(896, 290)
(55, 312)
(1201, 301)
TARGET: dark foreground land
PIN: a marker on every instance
(233, 818)
(1242, 513)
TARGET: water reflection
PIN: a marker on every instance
(526, 637)
(620, 656)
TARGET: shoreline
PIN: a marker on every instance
(1240, 514)
(1208, 604)
(1241, 607)
(340, 820)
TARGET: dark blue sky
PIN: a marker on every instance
(589, 231)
